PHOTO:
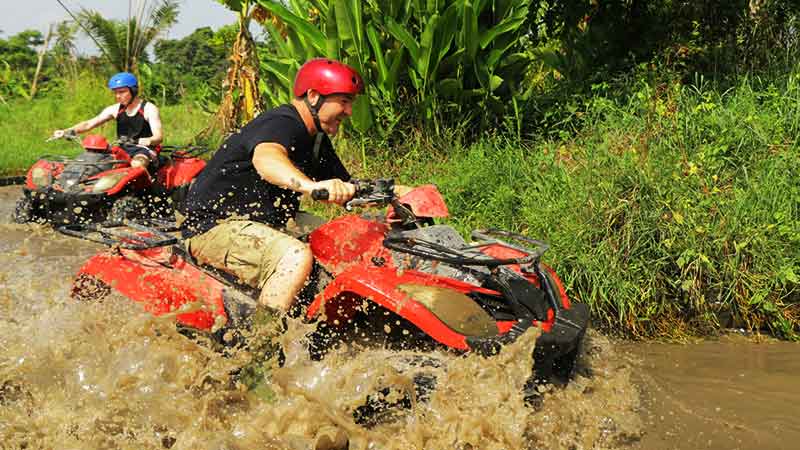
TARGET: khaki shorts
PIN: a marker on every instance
(248, 250)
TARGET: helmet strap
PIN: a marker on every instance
(314, 110)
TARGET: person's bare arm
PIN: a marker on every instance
(153, 117)
(272, 163)
(82, 127)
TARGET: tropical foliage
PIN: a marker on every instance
(64, 50)
(242, 99)
(188, 68)
(451, 58)
(17, 63)
(124, 42)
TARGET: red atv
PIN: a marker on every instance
(100, 185)
(396, 268)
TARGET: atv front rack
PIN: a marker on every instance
(177, 152)
(468, 255)
(112, 235)
(63, 159)
(488, 237)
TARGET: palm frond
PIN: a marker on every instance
(165, 15)
(107, 34)
(125, 41)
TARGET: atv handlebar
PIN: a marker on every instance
(378, 192)
(320, 194)
(68, 134)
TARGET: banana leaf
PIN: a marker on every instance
(300, 25)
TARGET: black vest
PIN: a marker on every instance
(135, 126)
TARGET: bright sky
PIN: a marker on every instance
(16, 16)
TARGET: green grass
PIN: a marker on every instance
(672, 212)
(25, 125)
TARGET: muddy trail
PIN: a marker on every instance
(106, 375)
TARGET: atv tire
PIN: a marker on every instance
(23, 211)
(126, 208)
(391, 402)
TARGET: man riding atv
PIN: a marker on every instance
(138, 121)
(252, 185)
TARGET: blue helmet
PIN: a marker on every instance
(124, 79)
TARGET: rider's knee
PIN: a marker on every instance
(299, 256)
(140, 161)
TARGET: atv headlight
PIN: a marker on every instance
(107, 182)
(41, 177)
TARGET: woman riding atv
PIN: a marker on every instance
(138, 121)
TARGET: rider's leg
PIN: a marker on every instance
(259, 256)
(140, 160)
(290, 275)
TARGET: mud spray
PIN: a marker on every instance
(107, 375)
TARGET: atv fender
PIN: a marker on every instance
(424, 201)
(52, 169)
(179, 172)
(390, 290)
(162, 283)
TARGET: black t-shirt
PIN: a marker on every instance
(231, 186)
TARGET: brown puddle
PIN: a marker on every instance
(87, 376)
(726, 394)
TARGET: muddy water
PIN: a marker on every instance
(106, 375)
(727, 394)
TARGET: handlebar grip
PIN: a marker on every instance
(320, 194)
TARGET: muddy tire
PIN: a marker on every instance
(128, 207)
(391, 402)
(23, 211)
(88, 288)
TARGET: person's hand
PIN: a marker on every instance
(69, 132)
(125, 140)
(338, 191)
(144, 142)
(58, 134)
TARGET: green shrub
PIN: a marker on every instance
(673, 212)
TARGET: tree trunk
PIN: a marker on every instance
(41, 60)
(242, 101)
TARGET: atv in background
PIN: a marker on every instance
(100, 185)
(423, 280)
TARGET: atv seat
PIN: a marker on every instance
(163, 160)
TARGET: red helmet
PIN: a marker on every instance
(94, 142)
(327, 76)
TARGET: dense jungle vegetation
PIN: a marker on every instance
(653, 144)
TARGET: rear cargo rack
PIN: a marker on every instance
(113, 235)
(179, 152)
